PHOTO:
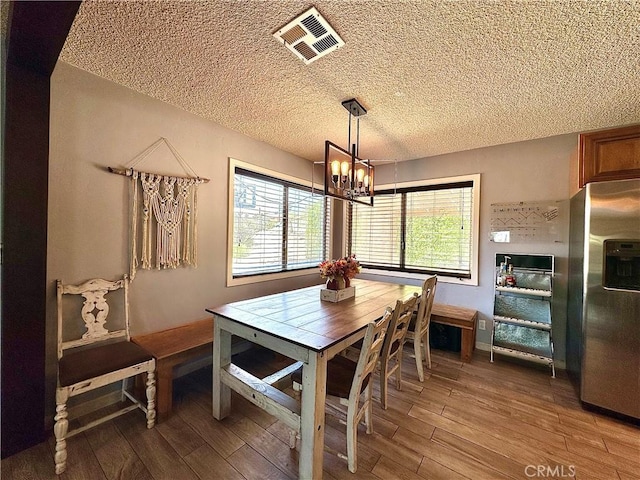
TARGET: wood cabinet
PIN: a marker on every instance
(610, 154)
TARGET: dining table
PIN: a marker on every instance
(309, 331)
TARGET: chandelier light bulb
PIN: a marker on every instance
(335, 168)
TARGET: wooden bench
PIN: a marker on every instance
(462, 318)
(173, 347)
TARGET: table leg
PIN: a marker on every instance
(221, 393)
(314, 393)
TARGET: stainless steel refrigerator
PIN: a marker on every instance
(603, 318)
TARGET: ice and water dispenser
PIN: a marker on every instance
(622, 264)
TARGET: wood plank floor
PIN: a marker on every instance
(476, 420)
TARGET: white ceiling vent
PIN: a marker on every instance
(309, 36)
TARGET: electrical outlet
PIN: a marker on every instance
(482, 325)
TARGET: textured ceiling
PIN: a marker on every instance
(435, 76)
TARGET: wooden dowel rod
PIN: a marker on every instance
(127, 172)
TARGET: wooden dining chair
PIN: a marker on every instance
(391, 353)
(418, 332)
(90, 356)
(349, 385)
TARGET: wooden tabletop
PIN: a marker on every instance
(300, 317)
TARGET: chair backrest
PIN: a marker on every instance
(398, 325)
(94, 312)
(423, 316)
(370, 353)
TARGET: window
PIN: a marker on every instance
(419, 228)
(278, 225)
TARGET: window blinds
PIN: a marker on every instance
(305, 243)
(375, 232)
(420, 229)
(278, 226)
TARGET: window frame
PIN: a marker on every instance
(286, 180)
(475, 226)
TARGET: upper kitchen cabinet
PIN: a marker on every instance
(610, 154)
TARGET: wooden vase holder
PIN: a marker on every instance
(337, 295)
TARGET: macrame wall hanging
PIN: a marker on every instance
(163, 214)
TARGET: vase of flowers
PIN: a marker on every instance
(337, 283)
(339, 272)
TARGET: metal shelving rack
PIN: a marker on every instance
(522, 325)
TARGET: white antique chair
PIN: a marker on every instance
(418, 332)
(349, 384)
(97, 357)
(391, 354)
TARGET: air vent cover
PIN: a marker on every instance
(309, 36)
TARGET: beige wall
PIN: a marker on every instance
(96, 123)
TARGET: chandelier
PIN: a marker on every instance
(346, 176)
